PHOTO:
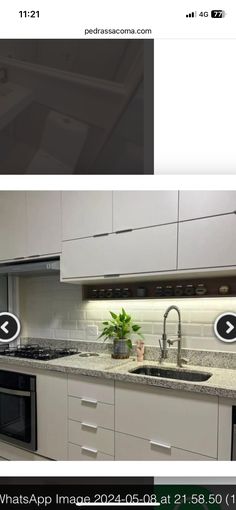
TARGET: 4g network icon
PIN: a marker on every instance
(215, 14)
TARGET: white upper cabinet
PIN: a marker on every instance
(198, 204)
(43, 222)
(86, 213)
(136, 252)
(12, 225)
(138, 209)
(207, 242)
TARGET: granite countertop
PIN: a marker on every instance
(222, 382)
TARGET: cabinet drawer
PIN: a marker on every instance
(91, 389)
(100, 414)
(91, 437)
(133, 448)
(79, 453)
(181, 419)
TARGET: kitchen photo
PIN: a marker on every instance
(118, 325)
(75, 106)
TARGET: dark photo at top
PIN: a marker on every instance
(76, 106)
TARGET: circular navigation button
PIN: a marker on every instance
(9, 327)
(225, 327)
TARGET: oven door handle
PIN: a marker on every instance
(17, 393)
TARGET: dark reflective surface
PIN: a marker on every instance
(168, 373)
(76, 106)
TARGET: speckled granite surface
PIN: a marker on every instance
(221, 383)
(204, 358)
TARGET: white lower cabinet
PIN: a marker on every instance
(134, 448)
(139, 251)
(169, 419)
(91, 436)
(52, 415)
(95, 413)
(91, 390)
(90, 418)
(225, 428)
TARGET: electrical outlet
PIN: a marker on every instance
(92, 331)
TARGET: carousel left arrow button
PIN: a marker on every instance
(9, 327)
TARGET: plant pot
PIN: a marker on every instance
(120, 349)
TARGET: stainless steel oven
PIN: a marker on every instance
(18, 414)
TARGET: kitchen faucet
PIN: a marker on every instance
(165, 341)
(3, 74)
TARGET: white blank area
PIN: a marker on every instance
(195, 106)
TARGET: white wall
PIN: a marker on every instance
(49, 309)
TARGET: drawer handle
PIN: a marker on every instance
(89, 401)
(89, 426)
(101, 235)
(124, 231)
(162, 445)
(89, 450)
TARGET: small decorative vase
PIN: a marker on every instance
(120, 349)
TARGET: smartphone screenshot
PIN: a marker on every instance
(117, 254)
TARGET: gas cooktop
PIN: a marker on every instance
(38, 352)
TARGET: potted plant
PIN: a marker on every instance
(120, 328)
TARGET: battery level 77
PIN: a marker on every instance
(218, 14)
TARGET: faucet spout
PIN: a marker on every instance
(165, 341)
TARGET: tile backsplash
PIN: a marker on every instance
(50, 309)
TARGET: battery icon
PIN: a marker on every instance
(217, 14)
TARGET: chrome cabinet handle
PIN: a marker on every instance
(162, 445)
(89, 450)
(89, 401)
(89, 426)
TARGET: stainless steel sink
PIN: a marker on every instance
(172, 373)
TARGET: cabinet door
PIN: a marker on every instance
(86, 213)
(12, 225)
(139, 251)
(43, 222)
(208, 242)
(198, 204)
(138, 209)
(169, 418)
(52, 415)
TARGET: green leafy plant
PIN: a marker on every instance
(120, 327)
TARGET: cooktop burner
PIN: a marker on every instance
(38, 352)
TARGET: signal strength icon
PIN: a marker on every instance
(191, 15)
